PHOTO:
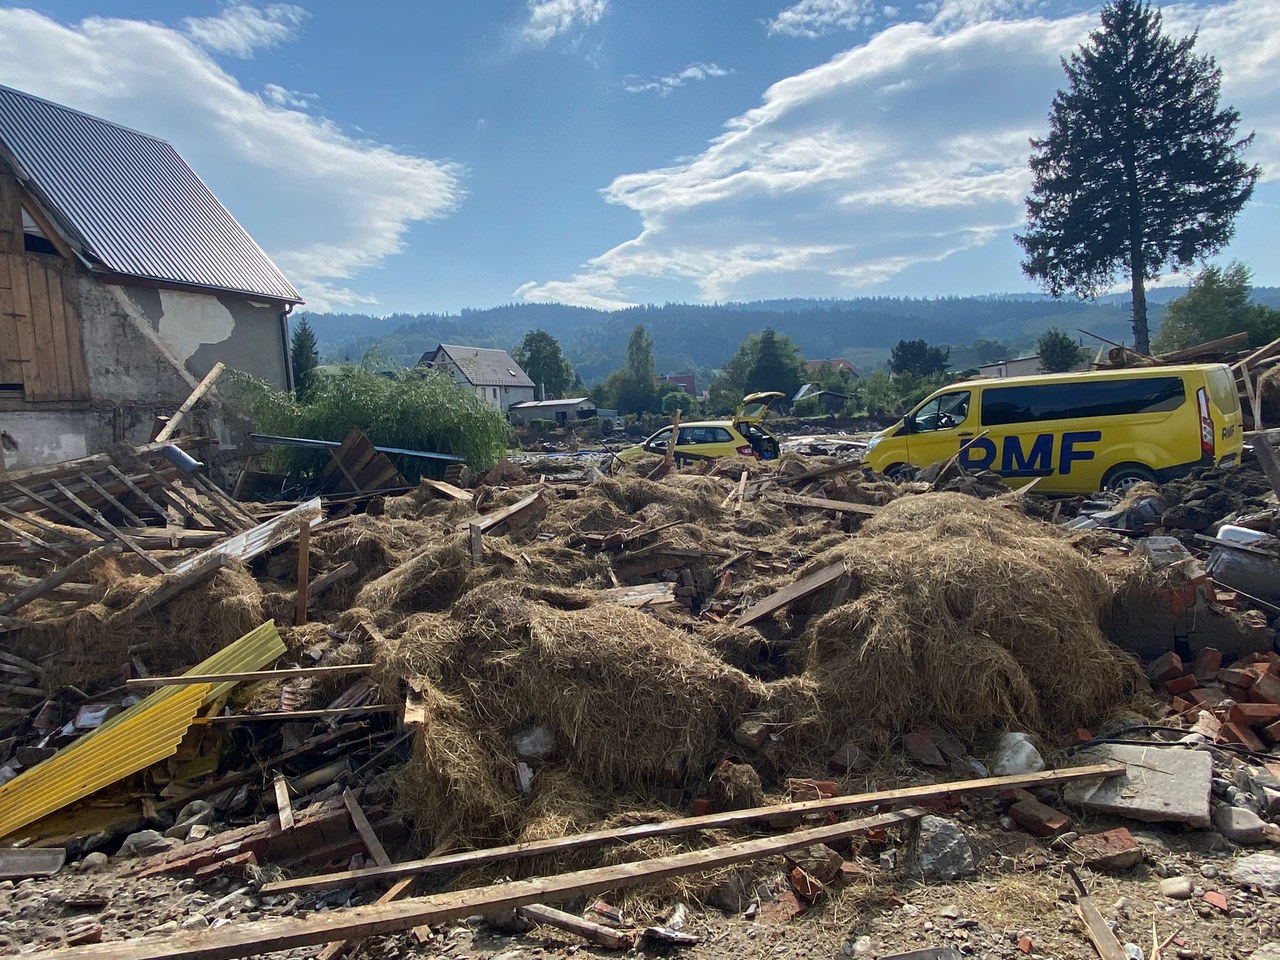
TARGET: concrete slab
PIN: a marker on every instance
(1162, 784)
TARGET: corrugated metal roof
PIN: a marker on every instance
(134, 204)
(483, 366)
(146, 733)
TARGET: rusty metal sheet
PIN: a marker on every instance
(146, 733)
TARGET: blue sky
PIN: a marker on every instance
(434, 155)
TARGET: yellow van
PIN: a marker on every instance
(1081, 432)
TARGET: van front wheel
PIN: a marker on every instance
(1121, 478)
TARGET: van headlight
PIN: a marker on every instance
(874, 442)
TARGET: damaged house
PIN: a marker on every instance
(123, 281)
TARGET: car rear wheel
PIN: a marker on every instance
(1125, 476)
(901, 472)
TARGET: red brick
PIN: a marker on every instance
(1226, 598)
(1235, 733)
(1254, 714)
(1237, 677)
(1180, 706)
(799, 791)
(1267, 688)
(1165, 667)
(1219, 900)
(1112, 850)
(1081, 735)
(1038, 819)
(922, 750)
(807, 888)
(1182, 684)
(700, 807)
(1207, 725)
(1272, 733)
(786, 906)
(1207, 663)
(1207, 696)
(1024, 945)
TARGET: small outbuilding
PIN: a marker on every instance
(561, 411)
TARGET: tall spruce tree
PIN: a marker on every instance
(1141, 168)
(539, 356)
(304, 356)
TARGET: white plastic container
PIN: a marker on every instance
(1229, 531)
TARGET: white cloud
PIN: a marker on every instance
(665, 84)
(241, 29)
(813, 18)
(549, 19)
(323, 204)
(906, 150)
(284, 97)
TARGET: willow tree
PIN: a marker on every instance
(1141, 169)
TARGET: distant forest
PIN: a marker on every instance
(699, 338)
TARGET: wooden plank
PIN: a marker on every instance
(201, 389)
(10, 353)
(491, 520)
(740, 494)
(641, 595)
(111, 499)
(475, 541)
(251, 675)
(448, 490)
(11, 240)
(189, 508)
(24, 535)
(55, 508)
(75, 335)
(259, 937)
(955, 457)
(18, 863)
(58, 328)
(215, 492)
(71, 571)
(712, 821)
(284, 808)
(1270, 464)
(46, 357)
(321, 584)
(168, 588)
(1229, 344)
(398, 891)
(1262, 353)
(597, 933)
(821, 503)
(291, 715)
(1095, 925)
(365, 829)
(818, 472)
(263, 537)
(304, 572)
(789, 595)
(33, 387)
(13, 582)
(107, 525)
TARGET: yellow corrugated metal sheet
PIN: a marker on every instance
(146, 733)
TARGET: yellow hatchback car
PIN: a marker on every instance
(709, 439)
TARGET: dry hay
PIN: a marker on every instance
(622, 693)
(431, 580)
(373, 543)
(971, 617)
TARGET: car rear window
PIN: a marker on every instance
(1222, 389)
(1069, 401)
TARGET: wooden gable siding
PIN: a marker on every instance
(41, 340)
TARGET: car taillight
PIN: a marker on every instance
(1207, 445)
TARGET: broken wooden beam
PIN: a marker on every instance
(641, 595)
(303, 578)
(711, 821)
(491, 520)
(821, 503)
(201, 389)
(448, 490)
(804, 587)
(597, 933)
(265, 936)
(19, 863)
(56, 579)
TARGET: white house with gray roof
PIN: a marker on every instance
(492, 374)
(123, 280)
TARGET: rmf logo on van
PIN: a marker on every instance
(1037, 461)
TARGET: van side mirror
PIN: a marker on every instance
(907, 423)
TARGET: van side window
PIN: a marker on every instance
(1069, 401)
(944, 412)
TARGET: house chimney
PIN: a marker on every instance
(543, 387)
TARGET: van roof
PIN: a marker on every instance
(1125, 373)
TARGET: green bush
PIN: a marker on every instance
(542, 424)
(808, 407)
(416, 411)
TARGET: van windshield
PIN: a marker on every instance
(943, 412)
